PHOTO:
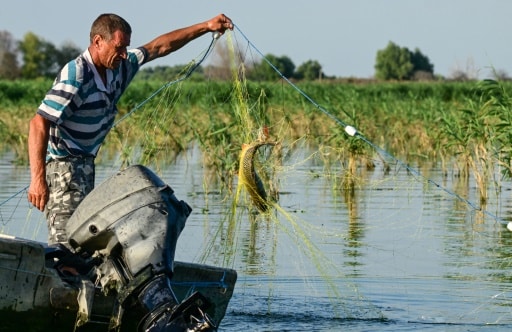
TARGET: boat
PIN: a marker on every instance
(117, 271)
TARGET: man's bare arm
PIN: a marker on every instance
(174, 40)
(37, 145)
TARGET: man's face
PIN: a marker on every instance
(113, 51)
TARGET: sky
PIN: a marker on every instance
(343, 36)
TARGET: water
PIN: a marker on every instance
(397, 255)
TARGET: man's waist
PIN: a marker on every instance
(72, 158)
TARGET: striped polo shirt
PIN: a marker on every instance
(81, 108)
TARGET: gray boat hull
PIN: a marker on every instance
(33, 296)
(130, 225)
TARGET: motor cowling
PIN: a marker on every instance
(133, 214)
(132, 222)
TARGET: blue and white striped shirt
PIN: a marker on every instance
(81, 108)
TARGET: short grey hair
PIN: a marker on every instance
(106, 24)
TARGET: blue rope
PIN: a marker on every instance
(289, 82)
(182, 78)
(14, 195)
(351, 131)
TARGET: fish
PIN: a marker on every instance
(248, 176)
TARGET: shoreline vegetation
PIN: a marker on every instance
(464, 126)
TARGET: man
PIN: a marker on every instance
(79, 110)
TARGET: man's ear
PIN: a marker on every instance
(96, 40)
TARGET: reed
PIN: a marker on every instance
(478, 134)
(464, 125)
(417, 122)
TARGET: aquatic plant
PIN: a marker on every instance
(417, 122)
(479, 132)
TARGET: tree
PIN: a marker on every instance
(67, 52)
(421, 62)
(393, 63)
(42, 59)
(35, 56)
(225, 62)
(399, 63)
(168, 73)
(501, 75)
(264, 72)
(9, 68)
(309, 70)
(467, 73)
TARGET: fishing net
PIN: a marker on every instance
(354, 237)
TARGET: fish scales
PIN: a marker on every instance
(250, 178)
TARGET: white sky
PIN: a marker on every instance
(343, 36)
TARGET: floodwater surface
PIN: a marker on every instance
(398, 253)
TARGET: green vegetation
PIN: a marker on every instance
(463, 125)
(399, 63)
(40, 58)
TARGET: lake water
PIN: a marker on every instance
(400, 254)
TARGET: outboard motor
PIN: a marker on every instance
(130, 223)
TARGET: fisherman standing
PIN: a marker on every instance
(79, 110)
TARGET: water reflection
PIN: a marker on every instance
(393, 252)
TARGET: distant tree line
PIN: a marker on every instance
(33, 57)
(399, 63)
(39, 58)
